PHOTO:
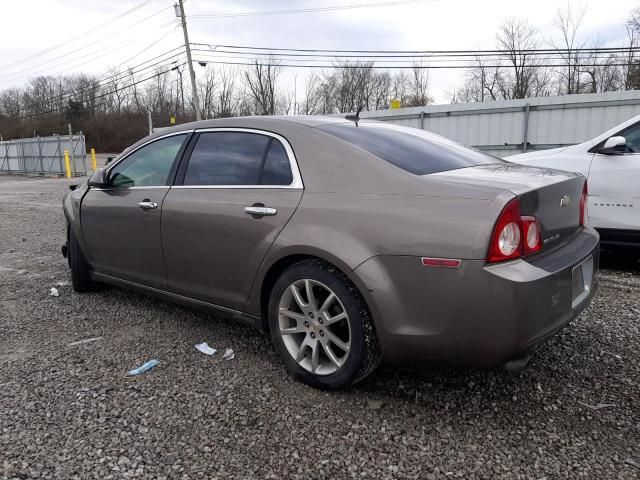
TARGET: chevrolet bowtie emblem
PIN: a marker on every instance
(565, 201)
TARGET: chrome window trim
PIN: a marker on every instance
(296, 184)
(139, 187)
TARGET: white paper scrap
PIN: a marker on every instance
(206, 349)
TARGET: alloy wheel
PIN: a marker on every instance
(314, 326)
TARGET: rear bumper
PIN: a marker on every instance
(476, 315)
(620, 240)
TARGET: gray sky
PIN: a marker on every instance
(31, 26)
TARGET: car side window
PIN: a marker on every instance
(237, 158)
(149, 165)
(632, 136)
(277, 169)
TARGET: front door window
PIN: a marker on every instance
(149, 165)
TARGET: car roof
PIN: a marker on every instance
(263, 121)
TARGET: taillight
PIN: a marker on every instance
(583, 204)
(514, 235)
(506, 241)
(531, 234)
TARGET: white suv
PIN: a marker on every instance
(611, 163)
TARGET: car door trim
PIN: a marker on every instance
(252, 320)
(296, 184)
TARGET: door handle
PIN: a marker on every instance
(260, 211)
(147, 204)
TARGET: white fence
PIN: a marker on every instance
(43, 155)
(506, 127)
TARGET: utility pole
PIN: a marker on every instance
(192, 74)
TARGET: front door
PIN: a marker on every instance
(614, 195)
(232, 197)
(121, 223)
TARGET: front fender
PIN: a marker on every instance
(71, 206)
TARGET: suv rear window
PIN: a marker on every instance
(416, 151)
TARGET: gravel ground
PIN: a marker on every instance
(69, 412)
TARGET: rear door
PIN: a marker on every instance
(121, 223)
(235, 191)
(614, 195)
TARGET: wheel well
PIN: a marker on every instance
(272, 276)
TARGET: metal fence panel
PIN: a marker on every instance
(44, 155)
(506, 127)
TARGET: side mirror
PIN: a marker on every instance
(613, 146)
(98, 178)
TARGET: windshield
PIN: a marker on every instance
(416, 151)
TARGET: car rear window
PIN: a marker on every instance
(413, 150)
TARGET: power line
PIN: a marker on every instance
(308, 58)
(12, 75)
(309, 10)
(398, 67)
(97, 97)
(62, 44)
(99, 77)
(92, 54)
(118, 76)
(427, 52)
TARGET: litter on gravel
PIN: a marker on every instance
(205, 348)
(632, 462)
(599, 406)
(143, 368)
(54, 292)
(63, 283)
(228, 354)
(82, 342)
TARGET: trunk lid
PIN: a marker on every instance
(552, 196)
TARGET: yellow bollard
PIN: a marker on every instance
(93, 159)
(67, 163)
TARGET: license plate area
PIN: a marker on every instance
(581, 280)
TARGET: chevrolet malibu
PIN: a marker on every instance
(348, 242)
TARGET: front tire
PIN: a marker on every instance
(321, 326)
(80, 276)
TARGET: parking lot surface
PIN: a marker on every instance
(68, 411)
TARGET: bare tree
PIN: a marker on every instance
(522, 76)
(11, 103)
(260, 80)
(601, 74)
(482, 83)
(227, 101)
(631, 72)
(380, 90)
(400, 87)
(207, 87)
(312, 101)
(568, 21)
(419, 85)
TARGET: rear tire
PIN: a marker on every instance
(80, 276)
(328, 342)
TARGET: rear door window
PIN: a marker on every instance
(416, 151)
(237, 158)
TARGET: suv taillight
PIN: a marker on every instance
(514, 235)
(583, 204)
